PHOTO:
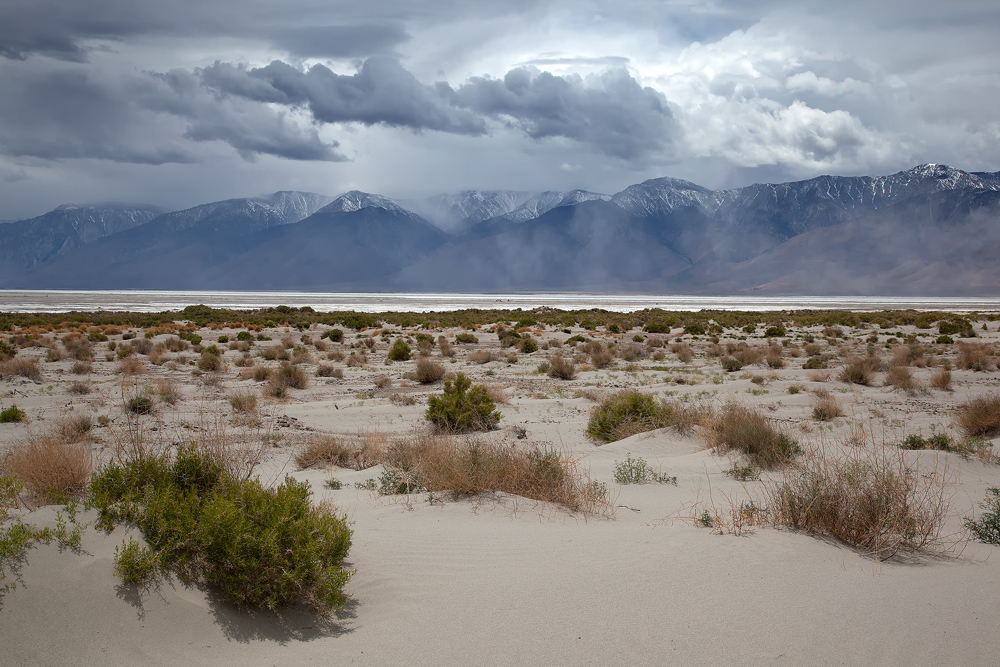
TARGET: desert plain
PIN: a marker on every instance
(683, 567)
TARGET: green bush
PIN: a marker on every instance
(944, 340)
(775, 332)
(987, 527)
(814, 363)
(97, 337)
(244, 336)
(637, 471)
(466, 338)
(626, 413)
(528, 346)
(223, 339)
(263, 547)
(12, 414)
(731, 364)
(939, 441)
(335, 335)
(400, 351)
(463, 407)
(140, 405)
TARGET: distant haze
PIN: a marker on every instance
(931, 230)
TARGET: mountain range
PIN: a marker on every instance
(931, 231)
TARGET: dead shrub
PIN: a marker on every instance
(979, 416)
(130, 366)
(860, 370)
(383, 381)
(774, 358)
(447, 349)
(243, 400)
(274, 353)
(81, 368)
(289, 376)
(428, 371)
(245, 361)
(357, 360)
(476, 465)
(560, 367)
(479, 357)
(869, 498)
(683, 352)
(23, 367)
(335, 355)
(749, 355)
(80, 388)
(327, 371)
(54, 354)
(497, 392)
(741, 428)
(209, 362)
(941, 379)
(825, 406)
(975, 356)
(633, 352)
(52, 468)
(600, 356)
(357, 453)
(902, 378)
(167, 390)
(812, 349)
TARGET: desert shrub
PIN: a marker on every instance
(428, 371)
(775, 332)
(974, 356)
(626, 413)
(73, 428)
(528, 346)
(130, 366)
(480, 357)
(825, 407)
(243, 401)
(742, 428)
(79, 388)
(774, 358)
(142, 345)
(53, 468)
(466, 338)
(859, 370)
(209, 361)
(463, 407)
(633, 352)
(289, 376)
(979, 416)
(638, 471)
(987, 527)
(814, 363)
(244, 336)
(335, 335)
(730, 364)
(12, 414)
(941, 379)
(812, 349)
(7, 351)
(167, 390)
(274, 353)
(383, 381)
(958, 326)
(901, 377)
(400, 351)
(748, 355)
(560, 367)
(357, 360)
(23, 367)
(870, 499)
(327, 371)
(262, 547)
(81, 368)
(260, 373)
(683, 352)
(940, 441)
(54, 354)
(447, 350)
(139, 405)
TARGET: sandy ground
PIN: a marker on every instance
(505, 580)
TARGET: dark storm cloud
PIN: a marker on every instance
(67, 111)
(380, 93)
(610, 111)
(339, 41)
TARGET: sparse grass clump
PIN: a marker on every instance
(870, 499)
(463, 407)
(941, 379)
(288, 376)
(54, 468)
(742, 428)
(358, 453)
(244, 401)
(979, 416)
(262, 547)
(626, 413)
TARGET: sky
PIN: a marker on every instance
(189, 101)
